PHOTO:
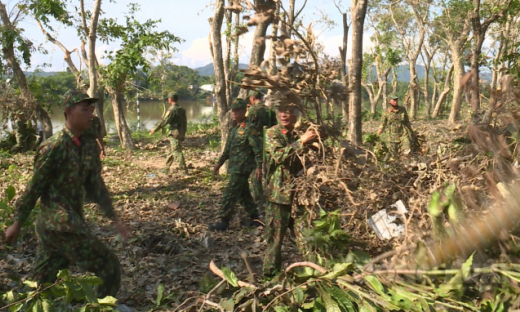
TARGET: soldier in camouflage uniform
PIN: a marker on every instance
(176, 118)
(94, 137)
(21, 133)
(244, 152)
(260, 117)
(63, 168)
(282, 164)
(396, 120)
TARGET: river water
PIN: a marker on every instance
(150, 113)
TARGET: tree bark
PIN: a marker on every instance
(258, 50)
(116, 97)
(12, 62)
(92, 59)
(358, 11)
(343, 69)
(444, 93)
(218, 65)
(457, 87)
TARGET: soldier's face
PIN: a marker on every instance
(287, 117)
(393, 102)
(238, 114)
(80, 116)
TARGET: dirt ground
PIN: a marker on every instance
(169, 216)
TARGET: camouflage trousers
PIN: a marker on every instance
(23, 141)
(175, 153)
(394, 150)
(59, 250)
(257, 189)
(278, 220)
(237, 190)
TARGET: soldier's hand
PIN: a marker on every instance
(12, 233)
(102, 155)
(216, 169)
(151, 132)
(258, 174)
(309, 136)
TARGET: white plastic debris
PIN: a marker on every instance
(384, 224)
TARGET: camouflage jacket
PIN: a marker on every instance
(260, 116)
(176, 118)
(62, 167)
(395, 121)
(282, 164)
(94, 131)
(243, 150)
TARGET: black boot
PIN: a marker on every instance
(220, 226)
(251, 222)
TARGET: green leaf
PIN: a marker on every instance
(88, 291)
(31, 284)
(330, 304)
(3, 205)
(367, 307)
(90, 279)
(10, 192)
(230, 276)
(433, 206)
(338, 270)
(308, 305)
(358, 257)
(456, 283)
(108, 300)
(282, 309)
(299, 295)
(63, 274)
(375, 284)
(227, 305)
(343, 298)
(47, 305)
(160, 294)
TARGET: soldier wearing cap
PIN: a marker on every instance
(176, 118)
(260, 117)
(243, 150)
(64, 167)
(282, 144)
(395, 120)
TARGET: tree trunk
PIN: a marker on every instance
(358, 10)
(45, 120)
(92, 67)
(444, 93)
(258, 50)
(343, 69)
(100, 108)
(116, 97)
(457, 88)
(12, 62)
(218, 65)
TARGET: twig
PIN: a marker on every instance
(306, 264)
(32, 295)
(219, 273)
(208, 295)
(213, 304)
(243, 254)
(185, 301)
(285, 293)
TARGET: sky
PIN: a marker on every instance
(187, 19)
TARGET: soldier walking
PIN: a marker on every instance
(282, 164)
(244, 153)
(395, 119)
(260, 117)
(64, 166)
(176, 118)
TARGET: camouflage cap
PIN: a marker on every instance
(74, 96)
(171, 95)
(239, 103)
(393, 97)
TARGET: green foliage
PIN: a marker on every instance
(444, 204)
(136, 39)
(7, 210)
(68, 293)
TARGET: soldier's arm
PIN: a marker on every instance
(97, 190)
(384, 122)
(225, 154)
(45, 162)
(279, 152)
(256, 143)
(406, 122)
(164, 122)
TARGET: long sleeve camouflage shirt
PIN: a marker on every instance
(261, 116)
(243, 150)
(175, 117)
(63, 166)
(396, 121)
(282, 164)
